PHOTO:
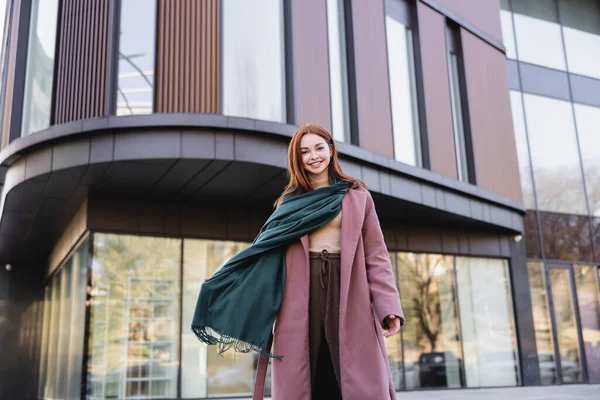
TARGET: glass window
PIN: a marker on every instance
(566, 327)
(203, 372)
(393, 345)
(541, 323)
(79, 282)
(432, 351)
(40, 66)
(338, 71)
(581, 29)
(134, 324)
(254, 59)
(522, 148)
(508, 34)
(5, 27)
(51, 368)
(538, 35)
(43, 371)
(403, 89)
(589, 312)
(532, 236)
(64, 330)
(487, 322)
(588, 121)
(596, 236)
(554, 155)
(458, 123)
(566, 237)
(135, 82)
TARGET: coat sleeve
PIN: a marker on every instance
(386, 300)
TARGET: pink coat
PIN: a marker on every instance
(368, 294)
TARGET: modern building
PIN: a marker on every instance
(144, 142)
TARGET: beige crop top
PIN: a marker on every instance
(327, 237)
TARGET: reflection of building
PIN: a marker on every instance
(148, 175)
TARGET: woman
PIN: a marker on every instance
(320, 266)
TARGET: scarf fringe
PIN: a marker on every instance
(211, 337)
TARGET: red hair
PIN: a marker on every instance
(298, 177)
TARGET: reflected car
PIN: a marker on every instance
(436, 367)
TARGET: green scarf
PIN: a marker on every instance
(238, 305)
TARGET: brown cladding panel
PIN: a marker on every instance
(432, 35)
(481, 14)
(81, 65)
(372, 82)
(494, 148)
(188, 57)
(310, 63)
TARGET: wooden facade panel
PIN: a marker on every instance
(188, 58)
(494, 147)
(81, 66)
(310, 63)
(483, 15)
(432, 35)
(372, 82)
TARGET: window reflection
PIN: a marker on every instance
(403, 91)
(522, 148)
(63, 330)
(393, 345)
(589, 312)
(566, 237)
(581, 29)
(487, 322)
(253, 59)
(588, 121)
(532, 238)
(541, 323)
(566, 328)
(40, 66)
(508, 33)
(538, 34)
(203, 371)
(338, 72)
(135, 83)
(134, 324)
(431, 342)
(554, 155)
(596, 236)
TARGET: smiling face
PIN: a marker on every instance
(316, 156)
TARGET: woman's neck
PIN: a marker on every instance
(320, 181)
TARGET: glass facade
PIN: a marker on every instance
(141, 294)
(403, 88)
(39, 77)
(135, 82)
(557, 147)
(133, 344)
(463, 322)
(253, 59)
(62, 346)
(338, 70)
(570, 32)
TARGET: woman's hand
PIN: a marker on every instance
(393, 323)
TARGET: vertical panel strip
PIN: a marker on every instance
(188, 66)
(82, 58)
